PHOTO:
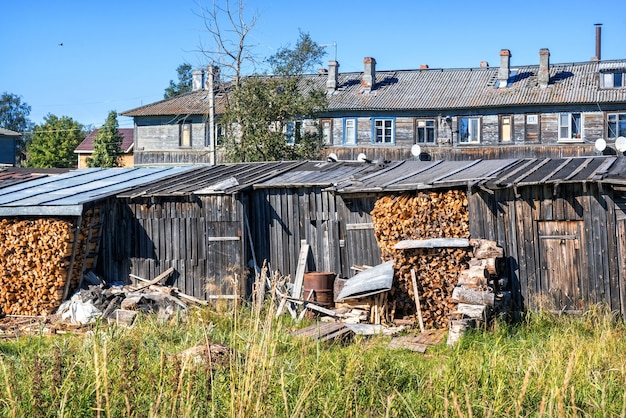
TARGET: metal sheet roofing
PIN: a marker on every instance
(437, 90)
(65, 194)
(86, 146)
(223, 178)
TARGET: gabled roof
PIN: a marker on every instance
(86, 147)
(434, 89)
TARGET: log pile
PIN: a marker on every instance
(36, 258)
(478, 295)
(418, 216)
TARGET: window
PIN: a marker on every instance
(327, 130)
(469, 130)
(570, 127)
(426, 131)
(184, 134)
(613, 80)
(616, 125)
(293, 130)
(506, 128)
(349, 131)
(383, 131)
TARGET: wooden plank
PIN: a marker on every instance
(433, 243)
(416, 296)
(299, 278)
(359, 226)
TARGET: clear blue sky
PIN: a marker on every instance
(117, 55)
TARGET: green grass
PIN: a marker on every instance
(545, 366)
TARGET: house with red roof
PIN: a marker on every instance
(85, 148)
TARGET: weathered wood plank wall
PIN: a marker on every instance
(562, 242)
(202, 238)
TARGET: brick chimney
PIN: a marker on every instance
(505, 68)
(333, 76)
(544, 67)
(369, 73)
(196, 80)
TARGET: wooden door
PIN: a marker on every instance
(560, 264)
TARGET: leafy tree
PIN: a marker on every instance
(107, 148)
(184, 84)
(267, 111)
(14, 116)
(53, 143)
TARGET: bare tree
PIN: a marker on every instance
(229, 28)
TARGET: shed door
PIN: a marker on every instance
(560, 263)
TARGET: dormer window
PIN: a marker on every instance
(613, 79)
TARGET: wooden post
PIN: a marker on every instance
(417, 300)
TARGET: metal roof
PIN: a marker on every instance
(86, 146)
(436, 90)
(8, 132)
(222, 178)
(491, 174)
(65, 194)
(319, 174)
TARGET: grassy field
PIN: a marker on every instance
(544, 366)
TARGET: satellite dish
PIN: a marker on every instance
(620, 144)
(332, 158)
(416, 150)
(362, 158)
(600, 144)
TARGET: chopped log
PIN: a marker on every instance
(473, 311)
(473, 297)
(475, 276)
(486, 249)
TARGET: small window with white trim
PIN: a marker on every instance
(469, 130)
(570, 127)
(383, 131)
(349, 131)
(616, 125)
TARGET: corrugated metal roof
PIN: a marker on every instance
(8, 132)
(65, 194)
(436, 90)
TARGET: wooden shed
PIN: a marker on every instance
(50, 230)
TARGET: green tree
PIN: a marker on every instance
(267, 112)
(107, 145)
(184, 84)
(53, 143)
(14, 116)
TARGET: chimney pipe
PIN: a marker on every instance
(369, 73)
(504, 72)
(196, 80)
(544, 68)
(333, 76)
(598, 40)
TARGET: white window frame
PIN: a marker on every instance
(618, 119)
(349, 132)
(567, 127)
(473, 130)
(425, 125)
(386, 132)
(327, 131)
(291, 128)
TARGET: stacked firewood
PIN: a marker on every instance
(420, 216)
(34, 259)
(479, 293)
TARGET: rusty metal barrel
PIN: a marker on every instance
(320, 285)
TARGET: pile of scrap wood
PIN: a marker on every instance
(422, 216)
(121, 304)
(42, 261)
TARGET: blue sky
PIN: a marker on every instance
(118, 55)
